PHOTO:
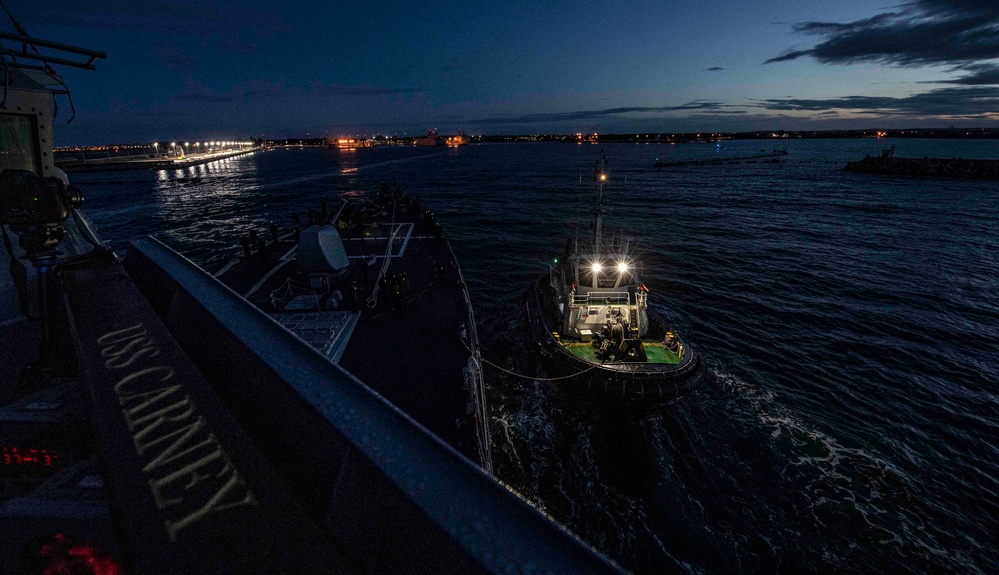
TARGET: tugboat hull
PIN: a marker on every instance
(635, 384)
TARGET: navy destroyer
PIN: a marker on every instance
(153, 420)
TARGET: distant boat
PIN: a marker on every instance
(455, 141)
(347, 143)
(431, 139)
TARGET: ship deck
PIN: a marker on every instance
(409, 351)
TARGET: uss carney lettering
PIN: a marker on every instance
(190, 475)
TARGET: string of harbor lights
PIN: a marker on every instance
(206, 147)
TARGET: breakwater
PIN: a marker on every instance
(928, 167)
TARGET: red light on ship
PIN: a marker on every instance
(61, 554)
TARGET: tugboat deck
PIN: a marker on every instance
(656, 352)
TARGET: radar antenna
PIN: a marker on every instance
(43, 74)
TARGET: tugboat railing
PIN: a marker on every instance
(602, 297)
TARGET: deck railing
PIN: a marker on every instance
(602, 297)
(474, 374)
(393, 496)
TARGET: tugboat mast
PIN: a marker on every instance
(600, 175)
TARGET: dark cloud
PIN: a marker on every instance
(823, 28)
(789, 55)
(977, 102)
(714, 69)
(703, 106)
(984, 7)
(723, 112)
(977, 75)
(958, 33)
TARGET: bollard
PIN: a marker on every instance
(245, 242)
(274, 232)
(262, 249)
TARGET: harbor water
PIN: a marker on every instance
(850, 420)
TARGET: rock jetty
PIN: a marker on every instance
(928, 167)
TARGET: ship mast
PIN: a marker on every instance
(600, 175)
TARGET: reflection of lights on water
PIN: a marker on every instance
(349, 171)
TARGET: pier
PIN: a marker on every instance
(148, 162)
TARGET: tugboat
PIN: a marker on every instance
(590, 317)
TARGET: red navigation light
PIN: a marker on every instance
(58, 555)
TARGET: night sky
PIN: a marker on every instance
(211, 69)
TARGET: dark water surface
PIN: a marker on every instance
(850, 422)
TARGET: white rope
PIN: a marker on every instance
(522, 376)
(508, 372)
(372, 300)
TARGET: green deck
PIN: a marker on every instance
(654, 350)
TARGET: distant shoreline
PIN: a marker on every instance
(696, 137)
(647, 137)
(691, 137)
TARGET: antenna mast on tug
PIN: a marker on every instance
(600, 175)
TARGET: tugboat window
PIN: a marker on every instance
(17, 142)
